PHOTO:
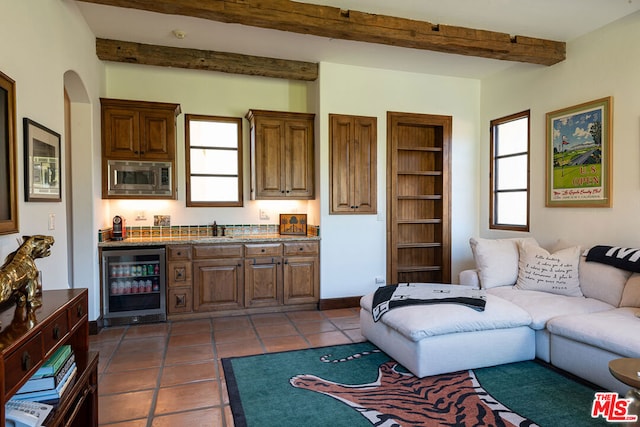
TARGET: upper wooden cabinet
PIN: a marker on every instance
(352, 156)
(138, 130)
(281, 155)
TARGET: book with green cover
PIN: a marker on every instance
(52, 364)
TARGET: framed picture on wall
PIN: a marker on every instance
(41, 163)
(8, 163)
(578, 155)
(293, 224)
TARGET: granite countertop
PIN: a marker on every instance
(188, 240)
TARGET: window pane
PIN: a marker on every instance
(511, 173)
(213, 162)
(213, 134)
(509, 201)
(512, 208)
(214, 167)
(206, 189)
(512, 137)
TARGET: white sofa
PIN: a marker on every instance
(579, 314)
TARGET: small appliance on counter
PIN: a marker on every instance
(119, 231)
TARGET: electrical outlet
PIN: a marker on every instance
(379, 280)
(52, 221)
(263, 214)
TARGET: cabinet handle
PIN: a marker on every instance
(239, 265)
(179, 253)
(181, 300)
(26, 361)
(301, 249)
(286, 261)
(263, 250)
(80, 311)
(56, 332)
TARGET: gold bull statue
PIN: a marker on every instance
(19, 275)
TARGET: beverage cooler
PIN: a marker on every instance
(133, 283)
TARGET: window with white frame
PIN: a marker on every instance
(213, 157)
(509, 203)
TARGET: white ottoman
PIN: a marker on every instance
(433, 339)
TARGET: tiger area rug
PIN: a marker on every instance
(358, 385)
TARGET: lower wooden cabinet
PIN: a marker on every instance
(301, 280)
(232, 277)
(218, 284)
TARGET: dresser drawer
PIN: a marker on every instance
(22, 361)
(217, 251)
(263, 249)
(55, 331)
(78, 312)
(301, 248)
(178, 252)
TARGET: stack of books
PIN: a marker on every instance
(52, 379)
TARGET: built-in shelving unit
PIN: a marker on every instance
(418, 204)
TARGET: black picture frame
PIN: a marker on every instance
(42, 163)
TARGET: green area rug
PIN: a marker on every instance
(358, 385)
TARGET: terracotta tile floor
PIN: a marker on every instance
(170, 374)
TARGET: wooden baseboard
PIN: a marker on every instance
(337, 303)
(95, 326)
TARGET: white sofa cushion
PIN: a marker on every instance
(602, 281)
(612, 330)
(497, 260)
(420, 321)
(543, 306)
(556, 273)
(631, 293)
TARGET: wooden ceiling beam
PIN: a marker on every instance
(164, 56)
(331, 22)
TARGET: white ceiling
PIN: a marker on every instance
(560, 20)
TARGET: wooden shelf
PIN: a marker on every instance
(420, 268)
(419, 245)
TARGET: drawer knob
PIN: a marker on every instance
(262, 250)
(301, 248)
(26, 361)
(179, 253)
(181, 300)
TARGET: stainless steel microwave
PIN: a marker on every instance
(139, 178)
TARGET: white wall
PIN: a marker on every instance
(353, 249)
(41, 40)
(207, 93)
(603, 63)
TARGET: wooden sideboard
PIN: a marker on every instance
(29, 337)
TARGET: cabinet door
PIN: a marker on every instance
(157, 139)
(263, 282)
(218, 284)
(298, 160)
(301, 280)
(281, 155)
(179, 300)
(353, 163)
(268, 155)
(121, 133)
